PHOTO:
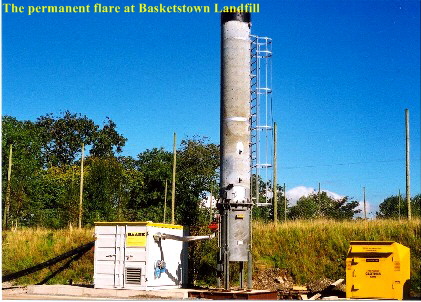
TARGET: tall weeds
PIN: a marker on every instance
(25, 248)
(309, 250)
(312, 250)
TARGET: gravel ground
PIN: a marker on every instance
(272, 279)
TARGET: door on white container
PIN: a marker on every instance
(135, 256)
(109, 256)
(119, 256)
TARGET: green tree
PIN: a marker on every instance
(262, 211)
(281, 203)
(25, 138)
(50, 204)
(416, 205)
(63, 136)
(389, 208)
(107, 141)
(322, 206)
(45, 178)
(104, 190)
(146, 200)
(266, 212)
(197, 169)
(132, 188)
(306, 208)
(197, 166)
(46, 174)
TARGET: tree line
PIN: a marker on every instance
(45, 177)
(396, 207)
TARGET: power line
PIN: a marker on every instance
(349, 163)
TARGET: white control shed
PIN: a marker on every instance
(128, 255)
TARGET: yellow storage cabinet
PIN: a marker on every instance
(377, 270)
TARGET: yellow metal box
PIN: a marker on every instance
(377, 270)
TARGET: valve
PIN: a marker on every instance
(213, 226)
(159, 268)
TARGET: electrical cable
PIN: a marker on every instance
(344, 164)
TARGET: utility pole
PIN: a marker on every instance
(285, 202)
(165, 200)
(399, 204)
(275, 180)
(72, 197)
(320, 205)
(210, 206)
(365, 208)
(408, 176)
(7, 201)
(81, 187)
(173, 180)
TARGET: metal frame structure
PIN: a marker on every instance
(261, 120)
(246, 138)
(235, 204)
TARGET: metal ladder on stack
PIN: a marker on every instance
(261, 122)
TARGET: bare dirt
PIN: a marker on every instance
(272, 279)
(276, 279)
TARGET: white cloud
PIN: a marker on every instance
(333, 194)
(296, 193)
(371, 212)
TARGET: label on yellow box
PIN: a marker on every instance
(136, 239)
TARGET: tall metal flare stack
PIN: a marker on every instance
(235, 204)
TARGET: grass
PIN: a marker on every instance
(309, 250)
(312, 250)
(24, 248)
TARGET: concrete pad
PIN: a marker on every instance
(80, 291)
(68, 290)
(43, 289)
(14, 290)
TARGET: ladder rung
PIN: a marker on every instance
(263, 165)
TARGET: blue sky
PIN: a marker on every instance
(343, 74)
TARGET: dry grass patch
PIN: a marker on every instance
(24, 248)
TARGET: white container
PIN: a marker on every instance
(128, 256)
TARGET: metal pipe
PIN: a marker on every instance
(275, 176)
(241, 274)
(249, 271)
(235, 202)
(164, 236)
(235, 97)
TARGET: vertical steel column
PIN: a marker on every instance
(225, 247)
(235, 203)
(408, 175)
(241, 274)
